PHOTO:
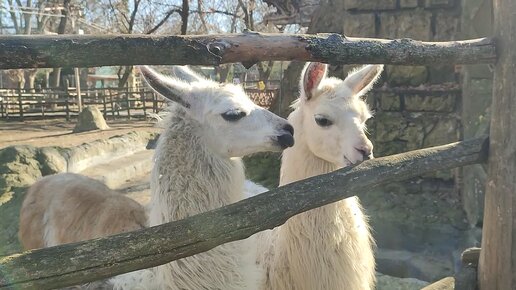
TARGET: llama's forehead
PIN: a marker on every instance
(337, 105)
(222, 97)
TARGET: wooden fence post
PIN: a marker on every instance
(142, 96)
(67, 99)
(497, 265)
(154, 103)
(20, 104)
(103, 103)
(128, 103)
(112, 104)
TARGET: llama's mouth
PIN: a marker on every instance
(347, 162)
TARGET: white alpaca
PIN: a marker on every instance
(328, 247)
(197, 169)
(67, 207)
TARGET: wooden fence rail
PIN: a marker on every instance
(87, 261)
(21, 51)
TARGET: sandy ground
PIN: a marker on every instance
(58, 132)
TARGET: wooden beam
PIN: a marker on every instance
(497, 265)
(447, 283)
(87, 261)
(21, 51)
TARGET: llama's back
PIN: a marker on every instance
(66, 208)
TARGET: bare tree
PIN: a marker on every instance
(36, 17)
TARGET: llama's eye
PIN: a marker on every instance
(323, 121)
(233, 116)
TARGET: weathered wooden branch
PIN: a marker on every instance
(97, 259)
(470, 256)
(447, 283)
(20, 51)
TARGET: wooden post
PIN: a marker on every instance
(78, 89)
(20, 104)
(497, 267)
(67, 99)
(142, 96)
(154, 103)
(128, 103)
(104, 104)
(42, 104)
(7, 107)
(112, 104)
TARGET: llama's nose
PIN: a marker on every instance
(367, 153)
(289, 129)
(287, 139)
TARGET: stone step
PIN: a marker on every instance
(119, 172)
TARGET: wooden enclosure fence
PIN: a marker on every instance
(112, 102)
(86, 261)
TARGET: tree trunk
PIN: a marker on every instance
(61, 29)
(31, 74)
(185, 12)
(289, 89)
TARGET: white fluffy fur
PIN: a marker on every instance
(197, 169)
(330, 247)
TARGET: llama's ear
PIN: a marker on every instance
(186, 74)
(172, 89)
(361, 80)
(312, 75)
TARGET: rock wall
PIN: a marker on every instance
(477, 21)
(416, 106)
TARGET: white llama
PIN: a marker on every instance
(328, 247)
(66, 208)
(197, 168)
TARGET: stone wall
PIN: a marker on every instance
(415, 106)
(477, 90)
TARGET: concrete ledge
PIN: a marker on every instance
(119, 171)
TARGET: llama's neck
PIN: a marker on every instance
(299, 162)
(188, 178)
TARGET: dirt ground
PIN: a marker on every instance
(58, 132)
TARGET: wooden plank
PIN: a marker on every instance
(21, 51)
(86, 261)
(497, 265)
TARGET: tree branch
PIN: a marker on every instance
(185, 12)
(163, 20)
(19, 51)
(14, 18)
(86, 261)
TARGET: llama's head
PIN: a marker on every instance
(332, 113)
(232, 125)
